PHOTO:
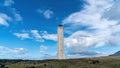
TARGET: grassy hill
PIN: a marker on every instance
(100, 62)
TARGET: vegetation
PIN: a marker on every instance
(101, 62)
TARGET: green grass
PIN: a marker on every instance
(101, 62)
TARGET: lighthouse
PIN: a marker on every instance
(60, 51)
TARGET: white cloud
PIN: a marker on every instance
(100, 30)
(13, 53)
(8, 2)
(6, 50)
(22, 35)
(4, 19)
(19, 50)
(91, 15)
(46, 13)
(43, 48)
(43, 35)
(50, 37)
(36, 34)
(17, 16)
(114, 12)
(39, 36)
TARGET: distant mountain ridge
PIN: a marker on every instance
(116, 54)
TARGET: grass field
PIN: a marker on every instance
(100, 62)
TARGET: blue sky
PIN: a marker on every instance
(28, 29)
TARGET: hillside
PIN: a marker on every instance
(116, 54)
(101, 62)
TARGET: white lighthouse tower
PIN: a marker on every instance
(60, 53)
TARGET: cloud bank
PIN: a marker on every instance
(101, 27)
